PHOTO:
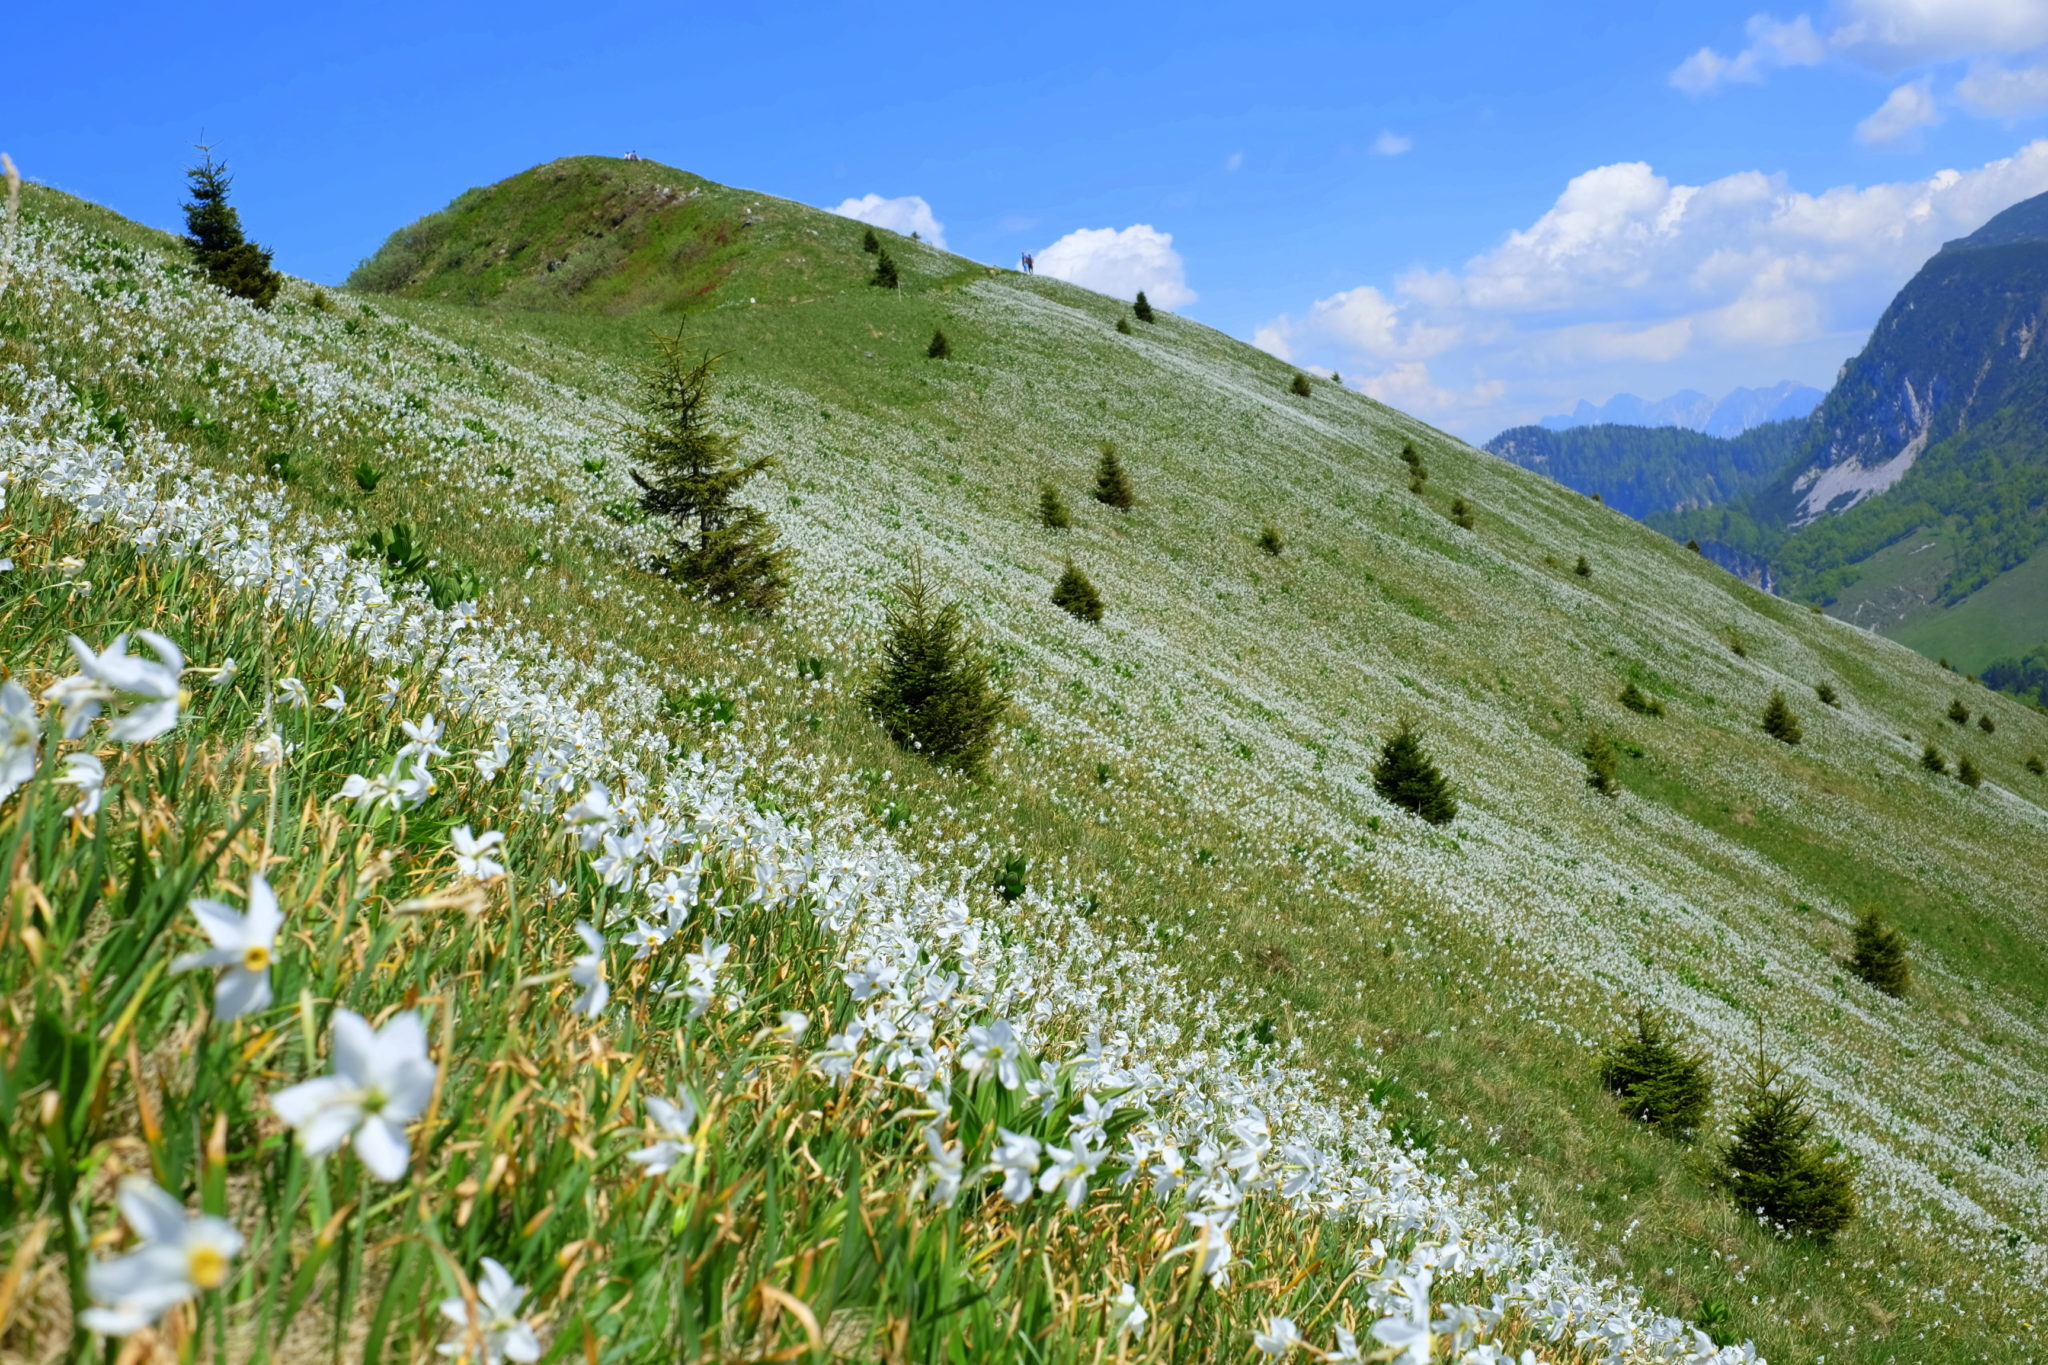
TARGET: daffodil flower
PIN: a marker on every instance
(382, 1081)
(21, 736)
(1126, 1314)
(1016, 1160)
(115, 673)
(491, 1328)
(335, 701)
(1410, 1335)
(472, 853)
(1279, 1339)
(676, 1123)
(243, 944)
(178, 1255)
(588, 972)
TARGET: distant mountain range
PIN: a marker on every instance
(1735, 413)
(1913, 500)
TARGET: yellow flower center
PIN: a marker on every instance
(255, 958)
(206, 1267)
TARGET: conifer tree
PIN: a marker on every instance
(689, 474)
(1878, 954)
(1779, 722)
(1603, 764)
(1932, 760)
(1406, 776)
(1694, 546)
(1112, 485)
(1826, 693)
(1142, 308)
(1461, 513)
(1270, 540)
(1659, 1084)
(1052, 508)
(213, 231)
(1776, 1168)
(1076, 596)
(885, 271)
(870, 243)
(1299, 387)
(940, 348)
(932, 694)
(1958, 712)
(1584, 568)
(1123, 324)
(1967, 773)
(1640, 702)
(2036, 766)
(1986, 724)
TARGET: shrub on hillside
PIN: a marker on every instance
(1584, 568)
(1270, 541)
(1603, 764)
(1967, 772)
(870, 243)
(1694, 546)
(1658, 1082)
(1112, 485)
(1986, 724)
(1142, 308)
(1298, 386)
(2036, 766)
(690, 474)
(884, 275)
(1461, 513)
(1123, 325)
(1777, 1169)
(1958, 712)
(1826, 693)
(1076, 596)
(932, 693)
(940, 348)
(1052, 508)
(1639, 701)
(1932, 760)
(1407, 776)
(1779, 722)
(213, 232)
(1877, 953)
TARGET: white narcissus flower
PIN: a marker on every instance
(177, 1255)
(491, 1329)
(676, 1123)
(1016, 1160)
(587, 971)
(472, 853)
(1279, 1338)
(382, 1081)
(223, 674)
(109, 676)
(21, 736)
(1347, 1352)
(243, 944)
(292, 692)
(336, 701)
(1410, 1336)
(89, 775)
(946, 1166)
(1126, 1314)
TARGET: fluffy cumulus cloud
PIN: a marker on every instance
(1631, 281)
(1771, 44)
(1120, 262)
(1904, 112)
(906, 215)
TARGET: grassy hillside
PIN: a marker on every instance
(1214, 889)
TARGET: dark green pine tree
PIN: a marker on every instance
(1123, 325)
(1076, 596)
(2036, 766)
(1968, 773)
(940, 348)
(870, 243)
(1958, 712)
(1639, 701)
(213, 231)
(1779, 722)
(690, 474)
(1877, 953)
(932, 693)
(1603, 764)
(1112, 485)
(1142, 309)
(1659, 1083)
(1776, 1168)
(1932, 760)
(1299, 385)
(1826, 693)
(885, 271)
(1461, 513)
(1052, 508)
(1584, 568)
(1270, 540)
(1406, 776)
(1986, 724)
(1694, 546)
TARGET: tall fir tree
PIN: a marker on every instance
(933, 693)
(1407, 776)
(1052, 509)
(885, 276)
(1076, 596)
(1968, 773)
(1877, 953)
(870, 243)
(1142, 308)
(690, 474)
(1777, 1169)
(1779, 722)
(1112, 485)
(940, 348)
(213, 232)
(1658, 1082)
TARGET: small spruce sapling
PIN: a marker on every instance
(1461, 513)
(870, 243)
(1270, 541)
(1986, 724)
(1694, 546)
(940, 348)
(1112, 485)
(1123, 324)
(1967, 772)
(1141, 308)
(1779, 722)
(1298, 386)
(2036, 766)
(1639, 701)
(932, 694)
(1603, 764)
(1826, 693)
(1877, 953)
(1931, 759)
(1407, 776)
(1958, 712)
(884, 276)
(1052, 508)
(1658, 1082)
(1584, 568)
(1777, 1169)
(1076, 596)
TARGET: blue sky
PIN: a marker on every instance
(1478, 211)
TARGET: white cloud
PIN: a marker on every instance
(1998, 91)
(1629, 281)
(1391, 143)
(1771, 44)
(1899, 33)
(1234, 162)
(1904, 112)
(1120, 262)
(906, 215)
